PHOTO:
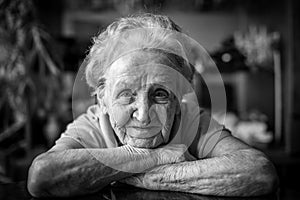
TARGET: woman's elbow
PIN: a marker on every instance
(38, 176)
(272, 182)
(268, 177)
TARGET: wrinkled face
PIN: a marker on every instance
(139, 100)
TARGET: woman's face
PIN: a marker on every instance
(139, 100)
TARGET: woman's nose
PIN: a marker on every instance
(142, 110)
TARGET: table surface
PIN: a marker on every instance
(118, 191)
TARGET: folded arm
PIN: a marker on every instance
(80, 171)
(233, 169)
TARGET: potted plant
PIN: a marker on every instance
(29, 73)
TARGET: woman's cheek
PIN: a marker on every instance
(166, 115)
(166, 119)
(162, 114)
(121, 115)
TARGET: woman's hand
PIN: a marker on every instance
(171, 153)
(168, 154)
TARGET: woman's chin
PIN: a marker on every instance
(148, 143)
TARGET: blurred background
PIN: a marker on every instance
(254, 44)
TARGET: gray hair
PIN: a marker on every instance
(107, 46)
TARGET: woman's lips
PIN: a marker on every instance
(144, 127)
(143, 132)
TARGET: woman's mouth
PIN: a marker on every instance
(142, 132)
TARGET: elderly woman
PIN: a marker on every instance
(147, 129)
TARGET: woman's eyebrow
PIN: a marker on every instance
(123, 84)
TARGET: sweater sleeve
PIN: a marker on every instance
(200, 131)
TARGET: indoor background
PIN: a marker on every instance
(254, 44)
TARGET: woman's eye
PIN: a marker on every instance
(161, 96)
(125, 97)
(125, 94)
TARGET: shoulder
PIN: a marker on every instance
(88, 121)
(202, 130)
(87, 131)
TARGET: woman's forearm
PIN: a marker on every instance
(243, 173)
(81, 171)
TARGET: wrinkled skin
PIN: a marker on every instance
(139, 99)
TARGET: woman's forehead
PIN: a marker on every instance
(142, 75)
(145, 69)
(139, 64)
(139, 70)
(141, 57)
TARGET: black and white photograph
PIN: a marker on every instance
(149, 99)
